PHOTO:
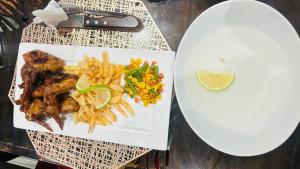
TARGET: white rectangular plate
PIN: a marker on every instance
(148, 128)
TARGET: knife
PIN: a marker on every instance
(72, 9)
(126, 23)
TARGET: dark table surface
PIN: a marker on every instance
(188, 151)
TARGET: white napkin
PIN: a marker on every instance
(51, 15)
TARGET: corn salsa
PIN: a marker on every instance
(143, 82)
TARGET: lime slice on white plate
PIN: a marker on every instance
(215, 80)
(83, 84)
(103, 96)
(91, 88)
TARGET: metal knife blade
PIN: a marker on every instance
(72, 9)
(127, 23)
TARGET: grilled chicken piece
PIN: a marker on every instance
(62, 83)
(53, 86)
(57, 85)
(52, 107)
(28, 75)
(38, 91)
(42, 61)
(37, 66)
(36, 62)
(36, 110)
(69, 105)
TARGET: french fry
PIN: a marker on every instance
(85, 117)
(104, 119)
(92, 123)
(117, 75)
(100, 70)
(90, 62)
(116, 81)
(91, 72)
(75, 94)
(115, 99)
(90, 95)
(109, 106)
(99, 73)
(80, 111)
(82, 120)
(108, 113)
(100, 81)
(99, 122)
(111, 70)
(116, 68)
(105, 69)
(106, 80)
(90, 101)
(76, 117)
(94, 61)
(119, 69)
(83, 64)
(71, 68)
(127, 106)
(87, 111)
(104, 57)
(81, 100)
(116, 87)
(74, 72)
(120, 109)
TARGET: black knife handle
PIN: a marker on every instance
(126, 22)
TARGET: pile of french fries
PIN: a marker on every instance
(99, 73)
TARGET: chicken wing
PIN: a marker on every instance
(36, 62)
(35, 112)
(69, 105)
(63, 83)
(36, 108)
(28, 75)
(60, 84)
(41, 84)
(53, 87)
(43, 61)
(38, 91)
(52, 106)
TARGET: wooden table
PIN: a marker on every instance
(173, 17)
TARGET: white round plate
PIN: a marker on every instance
(261, 108)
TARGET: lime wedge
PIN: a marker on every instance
(82, 84)
(91, 88)
(215, 80)
(103, 96)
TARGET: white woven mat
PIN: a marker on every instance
(83, 153)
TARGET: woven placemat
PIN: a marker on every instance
(84, 153)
